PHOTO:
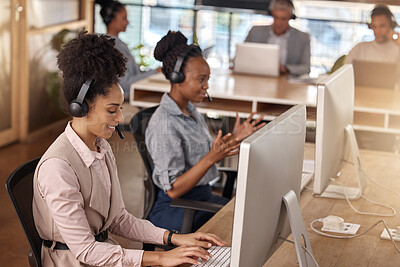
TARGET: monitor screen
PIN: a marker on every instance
(335, 105)
(270, 165)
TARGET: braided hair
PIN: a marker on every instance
(90, 56)
(170, 47)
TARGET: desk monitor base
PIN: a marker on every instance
(299, 231)
(338, 191)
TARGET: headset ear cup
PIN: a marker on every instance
(78, 110)
(173, 77)
(75, 109)
(181, 77)
(176, 77)
(85, 108)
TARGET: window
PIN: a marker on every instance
(334, 27)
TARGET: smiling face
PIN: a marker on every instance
(105, 113)
(195, 85)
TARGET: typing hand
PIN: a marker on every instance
(200, 239)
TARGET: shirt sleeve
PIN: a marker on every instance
(60, 188)
(128, 226)
(165, 149)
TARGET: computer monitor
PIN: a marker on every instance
(334, 134)
(257, 59)
(270, 166)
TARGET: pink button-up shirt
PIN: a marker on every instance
(59, 186)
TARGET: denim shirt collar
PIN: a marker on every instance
(172, 108)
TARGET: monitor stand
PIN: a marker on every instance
(299, 231)
(338, 191)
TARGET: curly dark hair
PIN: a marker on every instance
(90, 56)
(170, 47)
(108, 9)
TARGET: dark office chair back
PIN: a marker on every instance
(20, 188)
(138, 126)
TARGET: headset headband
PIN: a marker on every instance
(83, 91)
(181, 58)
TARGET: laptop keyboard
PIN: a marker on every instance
(220, 257)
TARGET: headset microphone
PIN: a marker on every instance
(208, 97)
(119, 132)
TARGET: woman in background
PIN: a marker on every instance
(178, 139)
(115, 17)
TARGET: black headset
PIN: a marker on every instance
(79, 107)
(177, 76)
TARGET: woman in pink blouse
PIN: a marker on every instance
(77, 196)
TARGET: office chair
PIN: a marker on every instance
(138, 127)
(19, 186)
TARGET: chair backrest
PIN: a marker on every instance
(20, 188)
(138, 127)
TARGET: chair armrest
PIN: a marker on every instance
(190, 207)
(231, 175)
(196, 205)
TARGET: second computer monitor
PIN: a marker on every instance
(270, 165)
(335, 109)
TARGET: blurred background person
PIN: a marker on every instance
(115, 17)
(385, 48)
(294, 44)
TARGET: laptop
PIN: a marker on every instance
(258, 59)
(375, 74)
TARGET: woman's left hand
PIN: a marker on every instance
(246, 128)
(200, 239)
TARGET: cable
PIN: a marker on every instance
(372, 180)
(370, 200)
(354, 236)
(304, 248)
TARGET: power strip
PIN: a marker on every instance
(348, 229)
(395, 234)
